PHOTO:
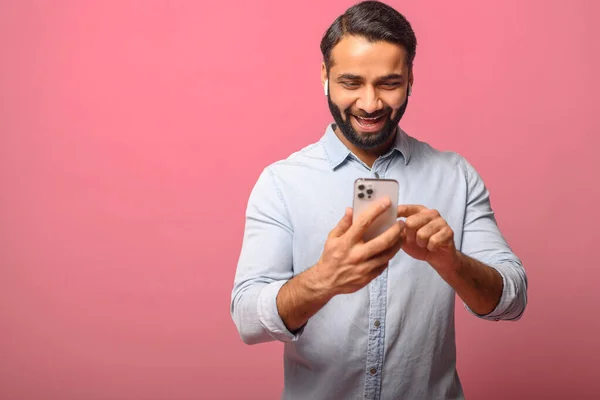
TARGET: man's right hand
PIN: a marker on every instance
(348, 263)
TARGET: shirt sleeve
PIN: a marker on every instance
(264, 266)
(483, 241)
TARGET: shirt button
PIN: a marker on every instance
(376, 175)
(373, 371)
(377, 323)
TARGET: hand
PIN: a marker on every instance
(428, 237)
(348, 263)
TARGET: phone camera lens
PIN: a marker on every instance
(369, 191)
(361, 195)
(361, 187)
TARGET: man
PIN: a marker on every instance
(370, 320)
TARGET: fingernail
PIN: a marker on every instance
(386, 202)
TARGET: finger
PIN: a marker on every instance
(406, 210)
(417, 221)
(374, 268)
(384, 241)
(365, 219)
(382, 260)
(391, 252)
(444, 237)
(427, 231)
(375, 272)
(410, 235)
(343, 225)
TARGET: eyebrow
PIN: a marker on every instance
(391, 77)
(350, 77)
(353, 77)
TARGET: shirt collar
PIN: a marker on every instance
(337, 152)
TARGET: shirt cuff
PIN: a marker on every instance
(269, 317)
(506, 299)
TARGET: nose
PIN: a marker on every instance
(369, 100)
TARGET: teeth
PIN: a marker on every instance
(370, 119)
(367, 123)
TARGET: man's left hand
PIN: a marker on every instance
(428, 237)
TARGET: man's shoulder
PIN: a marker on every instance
(426, 153)
(310, 156)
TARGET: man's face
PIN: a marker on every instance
(367, 89)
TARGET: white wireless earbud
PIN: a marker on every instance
(326, 87)
(409, 89)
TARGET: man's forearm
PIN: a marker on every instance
(300, 298)
(478, 285)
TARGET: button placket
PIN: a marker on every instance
(375, 347)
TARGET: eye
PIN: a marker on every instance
(350, 85)
(390, 85)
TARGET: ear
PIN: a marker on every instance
(411, 81)
(324, 76)
(324, 79)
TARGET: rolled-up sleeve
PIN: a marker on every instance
(483, 241)
(264, 265)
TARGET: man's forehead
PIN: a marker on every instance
(357, 53)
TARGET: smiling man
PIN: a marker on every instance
(375, 319)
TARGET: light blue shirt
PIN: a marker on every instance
(393, 339)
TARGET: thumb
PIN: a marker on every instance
(403, 231)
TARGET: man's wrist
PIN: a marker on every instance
(453, 268)
(318, 283)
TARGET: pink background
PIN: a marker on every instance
(131, 133)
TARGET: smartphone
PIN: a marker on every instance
(367, 191)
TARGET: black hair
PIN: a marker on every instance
(374, 21)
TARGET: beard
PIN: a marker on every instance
(371, 140)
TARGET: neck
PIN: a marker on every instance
(368, 156)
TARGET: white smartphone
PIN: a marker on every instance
(366, 191)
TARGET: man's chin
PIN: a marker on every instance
(365, 141)
(368, 137)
